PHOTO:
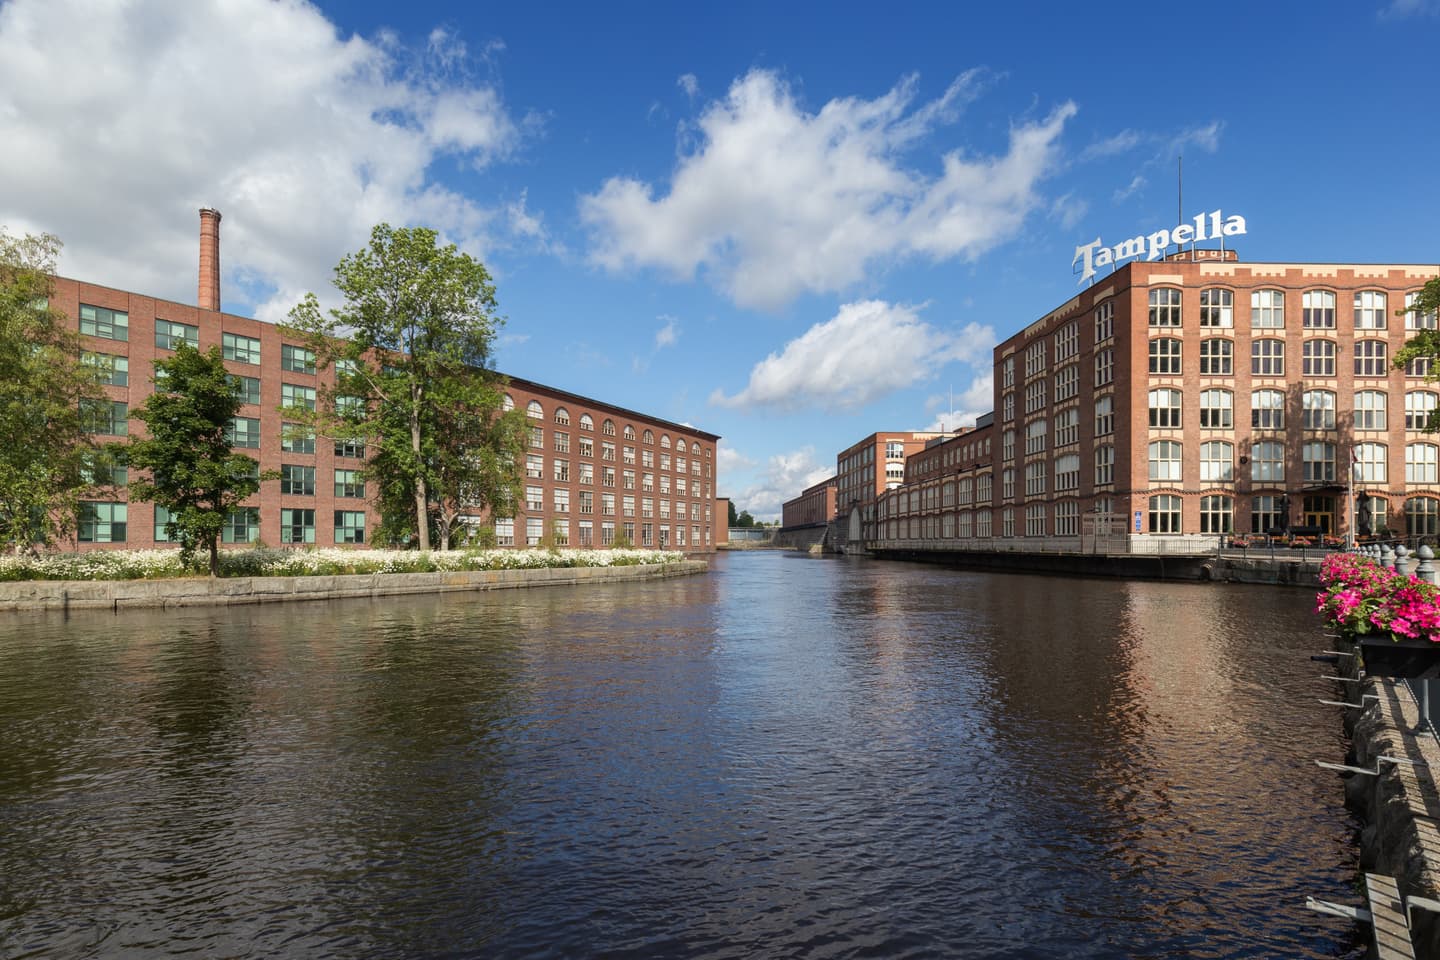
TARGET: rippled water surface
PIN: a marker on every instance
(788, 757)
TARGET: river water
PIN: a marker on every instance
(787, 757)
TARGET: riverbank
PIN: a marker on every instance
(1301, 571)
(1400, 805)
(190, 592)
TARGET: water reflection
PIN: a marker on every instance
(788, 756)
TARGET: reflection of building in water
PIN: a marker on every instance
(1198, 397)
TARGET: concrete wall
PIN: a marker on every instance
(126, 594)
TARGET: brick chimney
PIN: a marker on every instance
(209, 296)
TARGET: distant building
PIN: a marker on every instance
(1191, 399)
(867, 469)
(815, 506)
(592, 470)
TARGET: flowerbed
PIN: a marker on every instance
(1361, 597)
(267, 562)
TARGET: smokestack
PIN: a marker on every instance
(209, 296)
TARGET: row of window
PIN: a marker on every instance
(585, 504)
(1216, 514)
(583, 532)
(536, 411)
(1267, 358)
(104, 522)
(1267, 409)
(1267, 310)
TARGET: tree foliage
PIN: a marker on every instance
(192, 471)
(1424, 345)
(48, 457)
(733, 518)
(744, 520)
(411, 345)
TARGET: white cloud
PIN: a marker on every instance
(1124, 193)
(303, 139)
(1122, 142)
(1403, 9)
(690, 84)
(773, 200)
(867, 350)
(728, 459)
(783, 477)
(976, 399)
(668, 335)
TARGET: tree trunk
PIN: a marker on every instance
(215, 557)
(422, 493)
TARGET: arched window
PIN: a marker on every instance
(586, 423)
(1267, 409)
(1217, 514)
(1415, 320)
(1372, 463)
(1267, 462)
(1419, 404)
(1318, 410)
(1217, 409)
(680, 446)
(1370, 410)
(1217, 357)
(1267, 310)
(1420, 463)
(648, 438)
(1164, 307)
(607, 427)
(1371, 358)
(1165, 356)
(562, 416)
(1217, 308)
(1370, 310)
(665, 441)
(1318, 310)
(1165, 408)
(629, 432)
(508, 403)
(1267, 357)
(1422, 517)
(1217, 461)
(1317, 358)
(1165, 460)
(1165, 514)
(534, 411)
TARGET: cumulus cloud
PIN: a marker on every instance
(782, 478)
(867, 350)
(302, 137)
(771, 200)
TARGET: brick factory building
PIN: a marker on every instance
(814, 507)
(592, 469)
(1189, 398)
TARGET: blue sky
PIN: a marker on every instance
(787, 224)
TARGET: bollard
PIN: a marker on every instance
(1425, 570)
(1402, 560)
(1387, 557)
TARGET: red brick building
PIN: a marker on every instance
(815, 506)
(1189, 398)
(593, 470)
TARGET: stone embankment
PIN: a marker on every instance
(1400, 805)
(128, 594)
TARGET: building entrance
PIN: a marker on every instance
(1320, 512)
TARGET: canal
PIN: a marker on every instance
(785, 757)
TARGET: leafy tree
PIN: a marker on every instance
(193, 472)
(744, 520)
(733, 521)
(411, 345)
(1426, 343)
(48, 456)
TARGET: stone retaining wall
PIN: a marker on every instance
(1400, 808)
(126, 594)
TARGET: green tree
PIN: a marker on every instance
(411, 344)
(192, 471)
(1426, 343)
(734, 520)
(744, 520)
(48, 456)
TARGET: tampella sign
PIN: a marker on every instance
(1205, 226)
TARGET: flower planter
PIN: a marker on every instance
(1387, 656)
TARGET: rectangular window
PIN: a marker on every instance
(349, 526)
(297, 526)
(1318, 358)
(101, 522)
(587, 533)
(244, 432)
(349, 484)
(353, 449)
(1216, 357)
(240, 349)
(113, 370)
(587, 501)
(1104, 366)
(1318, 310)
(534, 466)
(561, 470)
(1067, 427)
(505, 533)
(297, 480)
(534, 499)
(241, 526)
(1105, 321)
(1104, 416)
(1067, 472)
(169, 335)
(1067, 382)
(627, 506)
(246, 388)
(294, 396)
(560, 497)
(562, 442)
(296, 359)
(109, 417)
(587, 447)
(1370, 310)
(607, 452)
(297, 438)
(1067, 341)
(1104, 465)
(103, 322)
